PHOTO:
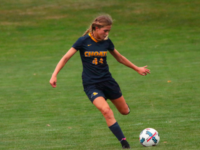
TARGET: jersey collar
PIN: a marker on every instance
(92, 37)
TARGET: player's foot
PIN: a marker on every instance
(125, 144)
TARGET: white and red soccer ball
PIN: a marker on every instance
(149, 137)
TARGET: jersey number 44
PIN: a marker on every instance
(96, 61)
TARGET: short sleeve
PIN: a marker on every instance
(111, 46)
(78, 44)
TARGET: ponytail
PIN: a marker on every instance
(88, 30)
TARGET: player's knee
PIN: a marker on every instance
(125, 111)
(107, 113)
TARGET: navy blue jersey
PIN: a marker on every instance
(93, 55)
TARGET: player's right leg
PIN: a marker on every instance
(97, 97)
(104, 108)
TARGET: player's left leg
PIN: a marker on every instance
(121, 105)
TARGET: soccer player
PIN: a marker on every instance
(98, 82)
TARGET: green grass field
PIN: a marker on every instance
(34, 35)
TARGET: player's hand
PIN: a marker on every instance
(53, 81)
(143, 71)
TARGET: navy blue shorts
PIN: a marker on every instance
(107, 89)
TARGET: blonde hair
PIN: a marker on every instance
(100, 21)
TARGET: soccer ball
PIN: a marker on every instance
(149, 137)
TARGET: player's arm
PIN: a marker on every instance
(60, 65)
(120, 58)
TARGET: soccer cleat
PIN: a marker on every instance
(125, 144)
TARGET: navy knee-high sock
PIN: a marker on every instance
(116, 130)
